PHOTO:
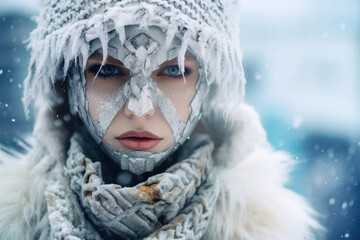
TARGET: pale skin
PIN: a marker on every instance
(169, 80)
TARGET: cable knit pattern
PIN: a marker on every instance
(252, 202)
(66, 28)
(60, 13)
(175, 204)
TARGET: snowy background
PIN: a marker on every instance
(301, 59)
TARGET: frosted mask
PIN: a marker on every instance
(142, 52)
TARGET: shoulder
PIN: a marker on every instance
(24, 179)
(253, 202)
(22, 208)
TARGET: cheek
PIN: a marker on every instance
(98, 95)
(181, 101)
(98, 102)
(181, 94)
(91, 96)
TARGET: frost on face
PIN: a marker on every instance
(106, 107)
(138, 90)
(142, 51)
(141, 103)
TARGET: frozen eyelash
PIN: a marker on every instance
(97, 68)
(187, 71)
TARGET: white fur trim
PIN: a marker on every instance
(23, 179)
(22, 208)
(253, 202)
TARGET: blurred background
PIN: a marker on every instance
(301, 60)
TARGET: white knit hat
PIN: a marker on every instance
(65, 28)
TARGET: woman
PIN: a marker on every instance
(140, 132)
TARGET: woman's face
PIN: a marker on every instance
(149, 132)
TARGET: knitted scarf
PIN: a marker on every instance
(175, 204)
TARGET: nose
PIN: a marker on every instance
(139, 103)
(131, 111)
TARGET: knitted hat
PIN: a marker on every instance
(66, 27)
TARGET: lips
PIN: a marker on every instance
(138, 141)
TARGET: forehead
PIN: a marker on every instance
(97, 57)
(142, 47)
(143, 43)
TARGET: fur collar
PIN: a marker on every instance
(253, 202)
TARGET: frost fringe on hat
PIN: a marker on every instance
(65, 28)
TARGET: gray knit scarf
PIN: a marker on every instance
(175, 204)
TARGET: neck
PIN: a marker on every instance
(111, 171)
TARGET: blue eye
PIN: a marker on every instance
(172, 71)
(106, 71)
(110, 70)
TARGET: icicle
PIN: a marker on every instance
(67, 60)
(84, 49)
(53, 58)
(120, 30)
(170, 33)
(182, 52)
(61, 45)
(104, 39)
(43, 59)
(218, 60)
(28, 87)
(76, 34)
(202, 44)
(221, 62)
